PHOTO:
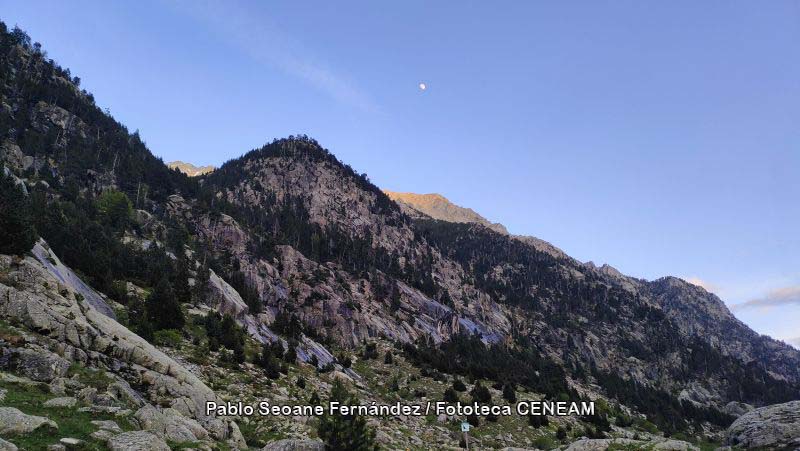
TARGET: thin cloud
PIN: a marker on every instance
(794, 342)
(263, 41)
(775, 298)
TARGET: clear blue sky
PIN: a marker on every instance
(660, 137)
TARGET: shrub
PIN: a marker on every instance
(170, 338)
(509, 394)
(538, 420)
(544, 442)
(370, 351)
(480, 394)
(450, 396)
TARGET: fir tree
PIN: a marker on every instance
(183, 291)
(291, 354)
(201, 283)
(163, 309)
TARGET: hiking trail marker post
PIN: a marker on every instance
(465, 430)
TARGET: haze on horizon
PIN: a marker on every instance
(661, 139)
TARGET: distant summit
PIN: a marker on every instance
(190, 169)
(439, 207)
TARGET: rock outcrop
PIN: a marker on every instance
(40, 298)
(771, 427)
(137, 441)
(14, 422)
(294, 445)
(626, 443)
(170, 425)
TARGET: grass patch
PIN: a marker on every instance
(71, 422)
(10, 334)
(90, 377)
(170, 338)
(544, 442)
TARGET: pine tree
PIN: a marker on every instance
(291, 354)
(183, 291)
(269, 362)
(17, 233)
(201, 283)
(345, 432)
(163, 309)
(116, 208)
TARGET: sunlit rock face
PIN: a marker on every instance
(439, 207)
(190, 169)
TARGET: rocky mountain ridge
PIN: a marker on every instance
(439, 207)
(190, 169)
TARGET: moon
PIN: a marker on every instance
(423, 86)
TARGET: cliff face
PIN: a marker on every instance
(299, 249)
(494, 280)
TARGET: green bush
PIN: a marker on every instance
(91, 377)
(170, 338)
(115, 207)
(544, 442)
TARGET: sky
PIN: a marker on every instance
(662, 138)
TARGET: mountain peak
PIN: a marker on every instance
(439, 207)
(190, 169)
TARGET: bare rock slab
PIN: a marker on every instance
(14, 422)
(294, 445)
(66, 401)
(771, 427)
(137, 441)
